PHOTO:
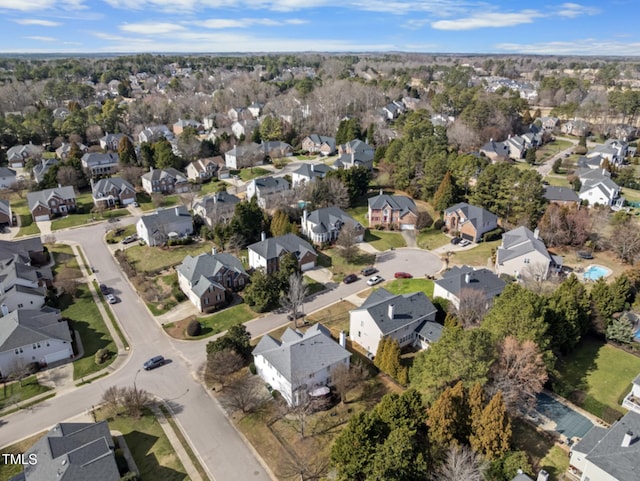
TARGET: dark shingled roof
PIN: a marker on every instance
(478, 216)
(563, 194)
(275, 246)
(484, 280)
(397, 202)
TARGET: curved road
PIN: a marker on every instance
(220, 448)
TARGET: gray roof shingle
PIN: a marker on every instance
(26, 326)
(400, 203)
(327, 218)
(201, 270)
(455, 279)
(478, 216)
(41, 197)
(276, 246)
(560, 194)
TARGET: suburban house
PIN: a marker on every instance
(523, 254)
(308, 172)
(73, 451)
(457, 280)
(469, 220)
(19, 154)
(154, 133)
(28, 251)
(181, 124)
(65, 149)
(266, 254)
(7, 177)
(32, 336)
(632, 400)
(299, 363)
(598, 188)
(14, 271)
(39, 170)
(549, 123)
(614, 150)
(242, 156)
(319, 144)
(112, 192)
(255, 109)
(608, 454)
(165, 181)
(244, 128)
(562, 196)
(324, 225)
(205, 279)
(19, 296)
(164, 224)
(393, 110)
(576, 127)
(355, 153)
(100, 164)
(392, 211)
(495, 151)
(276, 149)
(48, 203)
(111, 141)
(216, 207)
(6, 215)
(202, 170)
(239, 113)
(267, 190)
(407, 318)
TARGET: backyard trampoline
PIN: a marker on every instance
(567, 422)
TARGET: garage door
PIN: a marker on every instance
(307, 266)
(407, 227)
(57, 356)
(469, 237)
(42, 218)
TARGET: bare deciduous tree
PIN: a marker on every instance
(347, 241)
(462, 463)
(473, 306)
(111, 400)
(221, 365)
(312, 466)
(245, 394)
(305, 405)
(293, 300)
(67, 175)
(134, 400)
(132, 174)
(344, 378)
(626, 242)
(519, 372)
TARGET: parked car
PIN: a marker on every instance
(402, 275)
(104, 289)
(130, 238)
(154, 362)
(367, 271)
(350, 278)
(455, 240)
(464, 243)
(111, 299)
(374, 280)
(585, 255)
(297, 316)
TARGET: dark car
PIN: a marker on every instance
(367, 271)
(350, 278)
(402, 275)
(154, 362)
(456, 240)
(104, 289)
(585, 255)
(297, 316)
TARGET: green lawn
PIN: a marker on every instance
(557, 180)
(383, 241)
(27, 226)
(210, 187)
(215, 323)
(86, 319)
(146, 204)
(552, 148)
(123, 232)
(154, 259)
(313, 286)
(65, 258)
(631, 195)
(431, 239)
(73, 220)
(359, 213)
(150, 448)
(597, 376)
(331, 259)
(406, 286)
(477, 256)
(16, 392)
(542, 451)
(250, 174)
(7, 471)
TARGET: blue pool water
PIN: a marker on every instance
(637, 336)
(595, 272)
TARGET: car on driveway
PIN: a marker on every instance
(350, 278)
(298, 315)
(111, 299)
(367, 271)
(456, 240)
(154, 362)
(464, 243)
(402, 275)
(374, 280)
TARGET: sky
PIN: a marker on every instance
(217, 26)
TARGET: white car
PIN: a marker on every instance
(374, 280)
(464, 243)
(111, 299)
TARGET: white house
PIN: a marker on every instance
(523, 253)
(298, 364)
(407, 318)
(242, 156)
(598, 189)
(244, 128)
(456, 280)
(632, 400)
(309, 172)
(202, 169)
(216, 207)
(173, 222)
(19, 154)
(266, 254)
(324, 225)
(28, 335)
(267, 190)
(20, 296)
(100, 164)
(608, 454)
(155, 133)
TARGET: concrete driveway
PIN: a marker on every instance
(417, 262)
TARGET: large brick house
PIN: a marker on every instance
(48, 203)
(470, 221)
(112, 192)
(165, 181)
(392, 211)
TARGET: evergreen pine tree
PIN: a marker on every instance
(492, 435)
(445, 195)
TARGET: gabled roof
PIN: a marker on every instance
(312, 170)
(42, 197)
(40, 169)
(455, 279)
(397, 202)
(270, 183)
(407, 308)
(93, 159)
(26, 326)
(7, 172)
(560, 194)
(202, 165)
(217, 198)
(200, 270)
(162, 217)
(274, 145)
(478, 216)
(161, 174)
(276, 246)
(518, 242)
(106, 185)
(74, 452)
(329, 219)
(497, 148)
(607, 452)
(297, 356)
(318, 140)
(20, 249)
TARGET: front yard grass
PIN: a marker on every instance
(151, 450)
(331, 258)
(359, 213)
(146, 203)
(543, 452)
(27, 226)
(73, 220)
(66, 263)
(383, 241)
(313, 287)
(596, 376)
(213, 324)
(16, 392)
(430, 239)
(154, 259)
(334, 317)
(249, 174)
(406, 286)
(558, 180)
(86, 319)
(480, 255)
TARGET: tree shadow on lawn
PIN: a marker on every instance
(141, 445)
(92, 340)
(574, 368)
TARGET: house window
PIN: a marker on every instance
(34, 346)
(17, 352)
(206, 301)
(218, 297)
(527, 261)
(20, 305)
(358, 333)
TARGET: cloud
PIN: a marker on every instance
(587, 46)
(40, 5)
(41, 39)
(36, 21)
(151, 28)
(573, 10)
(488, 20)
(221, 23)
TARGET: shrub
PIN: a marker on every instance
(492, 235)
(102, 356)
(438, 225)
(252, 369)
(579, 150)
(194, 328)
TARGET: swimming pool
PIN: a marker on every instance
(595, 272)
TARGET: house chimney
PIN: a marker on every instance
(626, 440)
(604, 171)
(263, 236)
(304, 218)
(380, 191)
(4, 309)
(343, 339)
(214, 251)
(536, 233)
(467, 278)
(542, 476)
(391, 311)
